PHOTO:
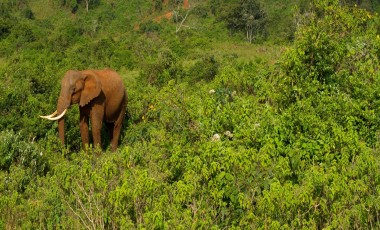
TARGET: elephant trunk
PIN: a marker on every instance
(61, 130)
(62, 106)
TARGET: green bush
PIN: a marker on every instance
(5, 27)
(16, 152)
(247, 16)
(204, 69)
(150, 26)
(333, 51)
(165, 68)
(336, 61)
(201, 10)
(213, 141)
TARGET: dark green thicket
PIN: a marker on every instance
(221, 133)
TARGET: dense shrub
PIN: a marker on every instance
(149, 26)
(5, 27)
(248, 17)
(337, 61)
(327, 123)
(213, 141)
(165, 68)
(204, 69)
(19, 153)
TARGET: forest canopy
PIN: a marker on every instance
(242, 114)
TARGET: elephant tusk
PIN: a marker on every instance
(49, 116)
(58, 117)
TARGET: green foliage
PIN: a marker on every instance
(149, 26)
(221, 134)
(176, 2)
(5, 28)
(21, 164)
(248, 17)
(245, 16)
(14, 150)
(74, 5)
(336, 57)
(327, 122)
(165, 68)
(201, 11)
(324, 49)
(158, 5)
(204, 69)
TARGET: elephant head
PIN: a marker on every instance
(76, 87)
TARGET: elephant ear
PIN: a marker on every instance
(92, 88)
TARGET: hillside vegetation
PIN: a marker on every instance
(242, 114)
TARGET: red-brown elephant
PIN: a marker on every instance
(101, 96)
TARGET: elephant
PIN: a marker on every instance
(101, 96)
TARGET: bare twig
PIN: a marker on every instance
(85, 211)
(75, 213)
(179, 25)
(94, 207)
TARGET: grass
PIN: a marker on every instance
(250, 52)
(43, 9)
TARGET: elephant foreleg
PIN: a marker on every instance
(83, 126)
(96, 126)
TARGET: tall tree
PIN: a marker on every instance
(248, 17)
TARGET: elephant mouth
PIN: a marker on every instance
(51, 116)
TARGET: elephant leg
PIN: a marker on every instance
(96, 116)
(96, 126)
(83, 126)
(116, 136)
(117, 129)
